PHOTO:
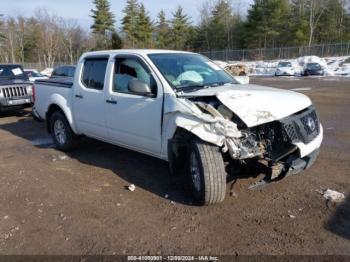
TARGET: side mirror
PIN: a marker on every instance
(139, 87)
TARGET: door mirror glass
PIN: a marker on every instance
(132, 77)
(139, 87)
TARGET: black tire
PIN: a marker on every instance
(65, 142)
(211, 187)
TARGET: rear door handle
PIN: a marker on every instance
(110, 101)
(79, 96)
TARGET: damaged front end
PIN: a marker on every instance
(274, 144)
(281, 138)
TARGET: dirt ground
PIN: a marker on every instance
(54, 203)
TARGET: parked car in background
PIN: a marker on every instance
(183, 108)
(16, 91)
(285, 68)
(64, 71)
(34, 74)
(313, 69)
(47, 72)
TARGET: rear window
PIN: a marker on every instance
(64, 71)
(58, 72)
(12, 71)
(70, 71)
(94, 73)
(285, 64)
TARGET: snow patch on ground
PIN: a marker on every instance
(331, 65)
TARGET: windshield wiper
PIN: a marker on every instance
(198, 87)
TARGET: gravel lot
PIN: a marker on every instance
(54, 203)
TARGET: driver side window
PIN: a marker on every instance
(129, 69)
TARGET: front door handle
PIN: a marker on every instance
(110, 101)
(79, 96)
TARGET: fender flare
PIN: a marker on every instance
(61, 102)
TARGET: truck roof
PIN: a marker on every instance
(133, 51)
(11, 65)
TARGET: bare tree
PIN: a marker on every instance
(316, 9)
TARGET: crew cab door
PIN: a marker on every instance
(134, 120)
(89, 98)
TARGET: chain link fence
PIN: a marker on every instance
(324, 50)
(42, 66)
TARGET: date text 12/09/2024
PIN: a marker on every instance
(172, 258)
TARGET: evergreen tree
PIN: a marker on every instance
(162, 31)
(144, 28)
(298, 24)
(103, 17)
(130, 22)
(334, 23)
(266, 23)
(103, 25)
(116, 41)
(220, 25)
(32, 36)
(179, 32)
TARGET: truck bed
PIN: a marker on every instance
(52, 91)
(59, 82)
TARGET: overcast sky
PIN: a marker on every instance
(79, 10)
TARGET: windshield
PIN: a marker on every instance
(33, 74)
(313, 66)
(284, 64)
(11, 71)
(190, 71)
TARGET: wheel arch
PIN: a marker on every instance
(177, 148)
(56, 107)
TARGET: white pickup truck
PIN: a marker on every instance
(182, 108)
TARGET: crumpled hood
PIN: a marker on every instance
(257, 105)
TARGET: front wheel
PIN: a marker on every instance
(62, 134)
(207, 172)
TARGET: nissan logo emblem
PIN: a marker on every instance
(311, 124)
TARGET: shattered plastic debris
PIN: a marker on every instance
(131, 187)
(333, 196)
(62, 157)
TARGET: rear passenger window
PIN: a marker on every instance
(57, 72)
(94, 73)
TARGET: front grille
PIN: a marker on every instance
(305, 120)
(14, 91)
(290, 131)
(303, 127)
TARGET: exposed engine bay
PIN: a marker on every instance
(273, 143)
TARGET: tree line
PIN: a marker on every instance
(46, 38)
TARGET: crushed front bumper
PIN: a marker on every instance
(297, 165)
(304, 157)
(307, 155)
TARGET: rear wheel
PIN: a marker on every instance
(207, 172)
(62, 134)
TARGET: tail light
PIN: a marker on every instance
(33, 88)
